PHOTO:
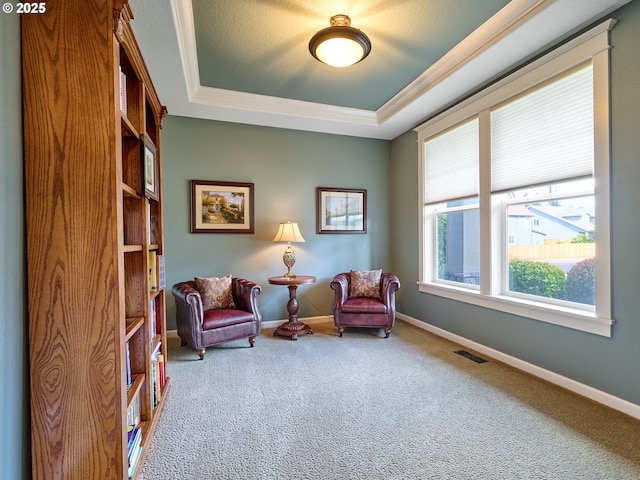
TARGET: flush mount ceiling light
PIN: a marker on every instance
(340, 45)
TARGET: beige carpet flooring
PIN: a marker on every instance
(365, 407)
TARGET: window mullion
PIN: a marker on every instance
(484, 190)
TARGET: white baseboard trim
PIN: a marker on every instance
(599, 396)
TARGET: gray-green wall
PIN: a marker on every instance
(285, 167)
(607, 364)
(14, 378)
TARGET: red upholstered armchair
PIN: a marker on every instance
(200, 328)
(360, 305)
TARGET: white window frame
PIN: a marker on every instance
(505, 203)
(590, 46)
(442, 208)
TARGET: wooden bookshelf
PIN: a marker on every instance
(91, 226)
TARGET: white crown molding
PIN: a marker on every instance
(507, 19)
(499, 43)
(217, 97)
(185, 32)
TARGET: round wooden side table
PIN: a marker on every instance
(293, 327)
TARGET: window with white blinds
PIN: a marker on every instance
(451, 164)
(545, 135)
(503, 174)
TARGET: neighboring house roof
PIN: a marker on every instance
(566, 211)
(519, 211)
(546, 212)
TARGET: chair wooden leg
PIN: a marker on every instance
(252, 340)
(340, 331)
(387, 331)
(201, 352)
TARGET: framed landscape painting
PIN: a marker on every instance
(341, 210)
(221, 207)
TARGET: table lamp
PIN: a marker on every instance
(288, 232)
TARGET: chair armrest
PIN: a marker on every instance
(340, 284)
(389, 285)
(188, 303)
(245, 293)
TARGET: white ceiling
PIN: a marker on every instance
(283, 86)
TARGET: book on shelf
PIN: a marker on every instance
(161, 370)
(134, 439)
(133, 412)
(153, 271)
(133, 462)
(156, 351)
(123, 92)
(128, 365)
(134, 435)
(162, 279)
(155, 398)
(156, 369)
(152, 318)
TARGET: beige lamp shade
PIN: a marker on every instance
(288, 232)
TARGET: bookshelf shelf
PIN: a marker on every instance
(103, 301)
(135, 388)
(130, 192)
(133, 324)
(128, 129)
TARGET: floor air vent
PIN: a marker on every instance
(470, 356)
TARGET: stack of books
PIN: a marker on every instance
(134, 447)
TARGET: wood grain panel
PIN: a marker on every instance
(72, 241)
(87, 242)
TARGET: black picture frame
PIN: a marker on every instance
(150, 170)
(341, 210)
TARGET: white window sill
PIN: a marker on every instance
(567, 317)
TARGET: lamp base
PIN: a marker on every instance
(289, 259)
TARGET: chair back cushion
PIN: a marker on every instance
(364, 283)
(215, 292)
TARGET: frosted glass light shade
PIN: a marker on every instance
(339, 52)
